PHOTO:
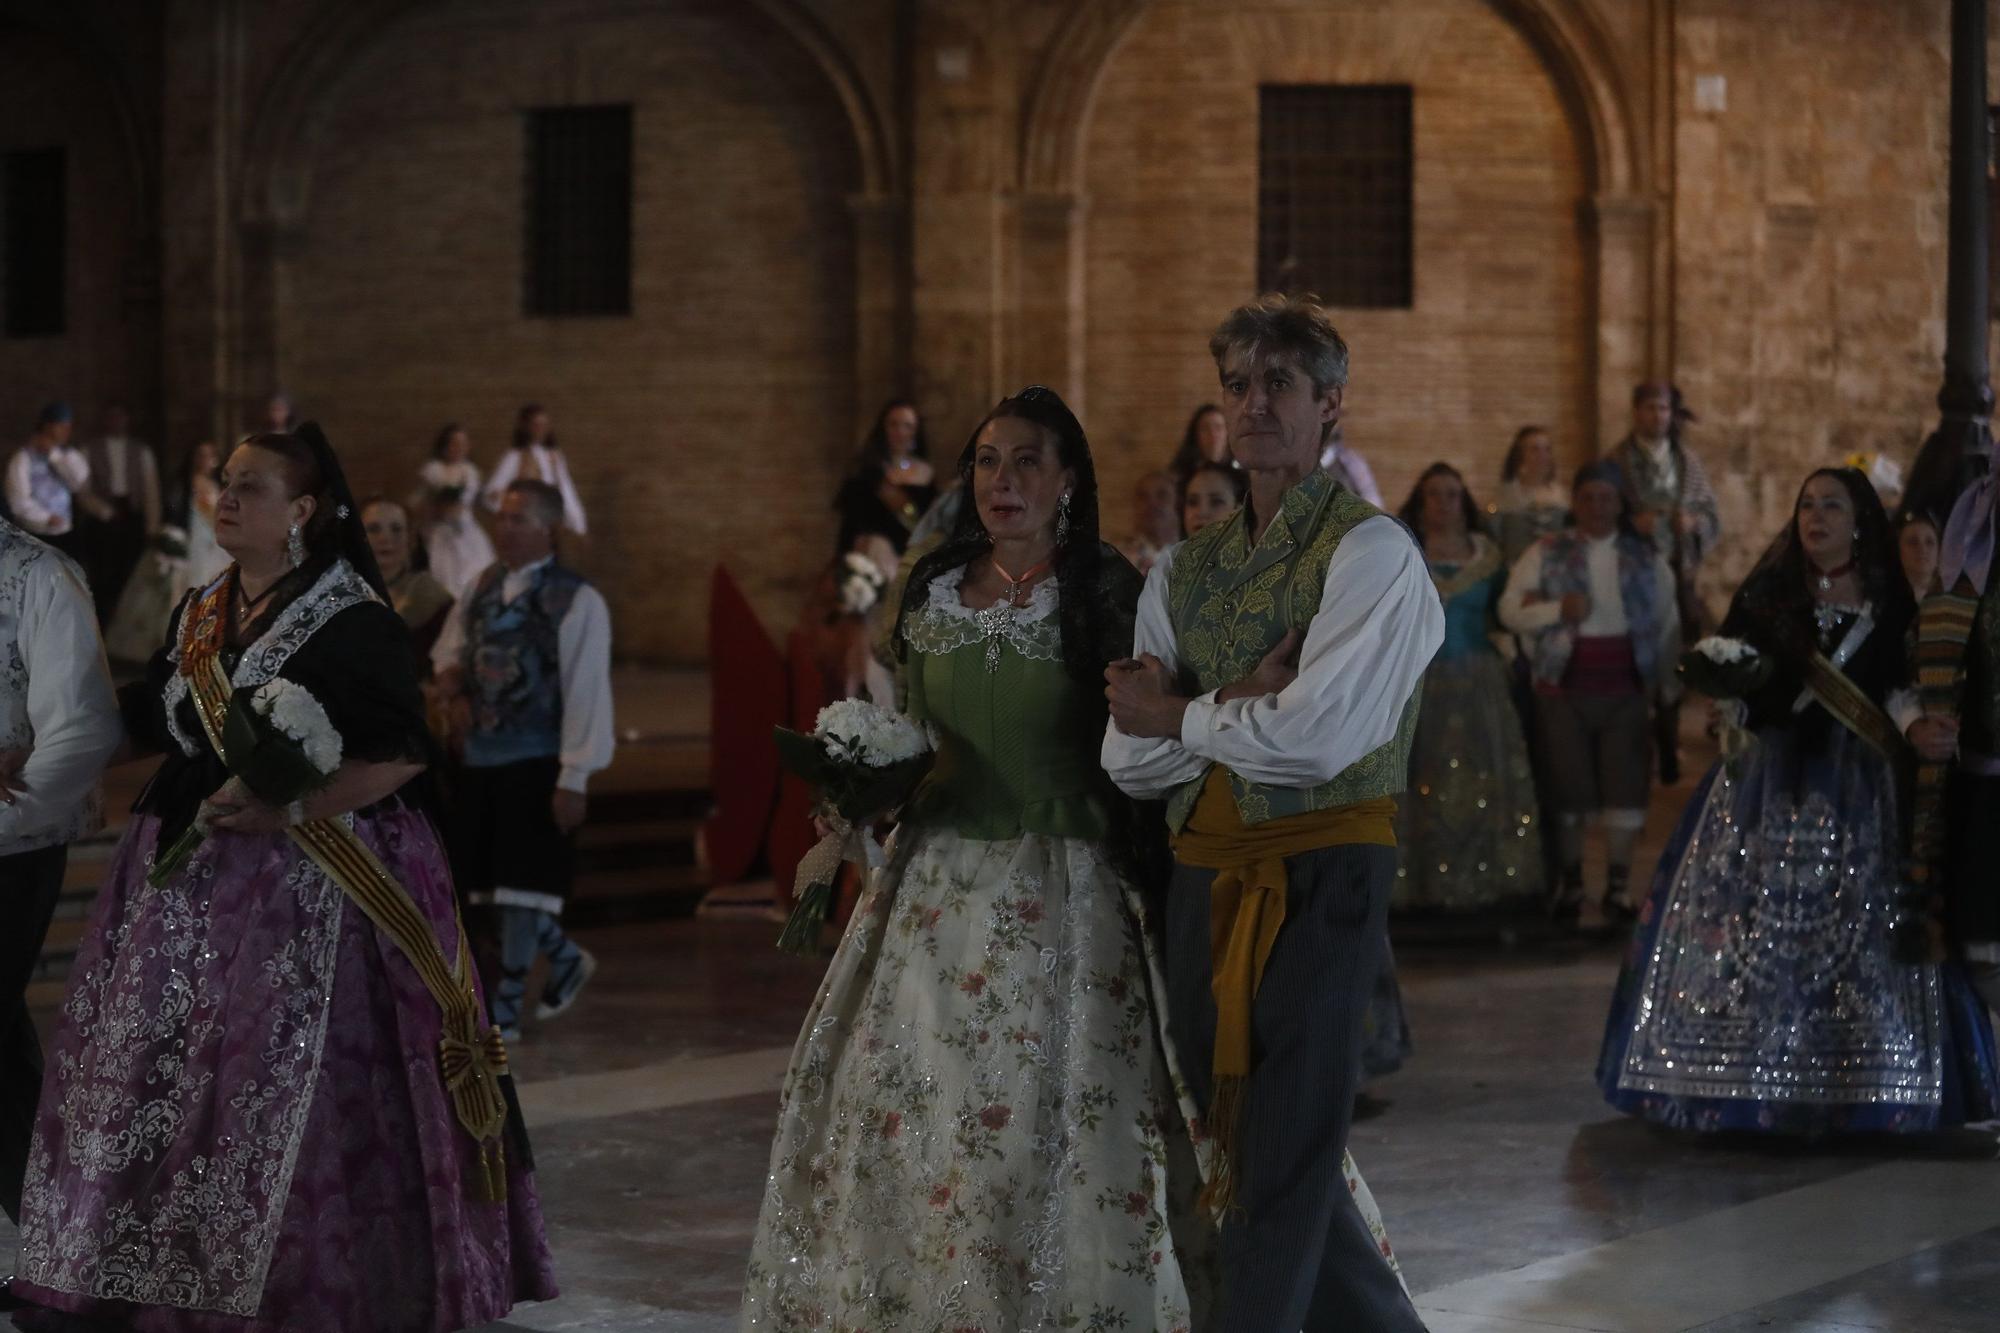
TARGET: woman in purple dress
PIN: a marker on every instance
(274, 1102)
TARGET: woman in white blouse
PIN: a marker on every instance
(535, 457)
(459, 548)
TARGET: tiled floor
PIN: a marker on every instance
(1517, 1201)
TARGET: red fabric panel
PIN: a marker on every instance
(791, 827)
(747, 699)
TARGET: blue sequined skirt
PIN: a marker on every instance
(1762, 991)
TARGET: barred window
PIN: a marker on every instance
(34, 226)
(579, 211)
(1334, 182)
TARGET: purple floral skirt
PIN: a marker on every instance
(243, 1126)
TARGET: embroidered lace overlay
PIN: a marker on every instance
(188, 1079)
(944, 624)
(337, 589)
(206, 1026)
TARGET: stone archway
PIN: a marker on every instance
(274, 186)
(1622, 217)
(382, 260)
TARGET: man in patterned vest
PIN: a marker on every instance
(1672, 505)
(1271, 698)
(525, 659)
(58, 726)
(1594, 604)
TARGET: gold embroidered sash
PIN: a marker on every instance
(471, 1055)
(1853, 709)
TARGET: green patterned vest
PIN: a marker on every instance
(1230, 604)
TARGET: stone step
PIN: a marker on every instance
(638, 893)
(661, 842)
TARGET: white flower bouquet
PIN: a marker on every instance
(865, 761)
(280, 744)
(1724, 668)
(861, 584)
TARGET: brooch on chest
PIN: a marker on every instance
(994, 623)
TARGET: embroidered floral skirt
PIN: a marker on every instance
(981, 1128)
(243, 1126)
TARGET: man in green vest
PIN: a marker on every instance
(1271, 698)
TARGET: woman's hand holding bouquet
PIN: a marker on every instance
(865, 761)
(281, 748)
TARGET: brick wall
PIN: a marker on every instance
(1810, 243)
(49, 97)
(711, 424)
(1796, 289)
(1497, 335)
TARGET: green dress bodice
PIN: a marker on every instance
(1018, 739)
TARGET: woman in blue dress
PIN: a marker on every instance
(1468, 826)
(1775, 982)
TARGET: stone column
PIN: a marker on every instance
(1619, 235)
(962, 130)
(1961, 448)
(202, 53)
(1049, 324)
(881, 302)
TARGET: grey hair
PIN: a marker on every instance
(545, 500)
(1279, 324)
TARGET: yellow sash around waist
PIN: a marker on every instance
(1246, 910)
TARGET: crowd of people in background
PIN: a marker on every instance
(1432, 711)
(516, 688)
(1551, 714)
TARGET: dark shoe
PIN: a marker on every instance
(562, 992)
(1567, 901)
(1618, 908)
(1367, 1105)
(9, 1302)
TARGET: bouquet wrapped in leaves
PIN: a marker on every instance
(864, 760)
(279, 743)
(1727, 670)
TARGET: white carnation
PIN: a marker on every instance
(1725, 652)
(861, 584)
(861, 732)
(299, 717)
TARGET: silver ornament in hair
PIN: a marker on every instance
(341, 512)
(1062, 520)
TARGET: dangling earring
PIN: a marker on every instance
(1062, 520)
(295, 546)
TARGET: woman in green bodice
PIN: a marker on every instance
(982, 1117)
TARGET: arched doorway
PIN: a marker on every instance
(1161, 96)
(384, 282)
